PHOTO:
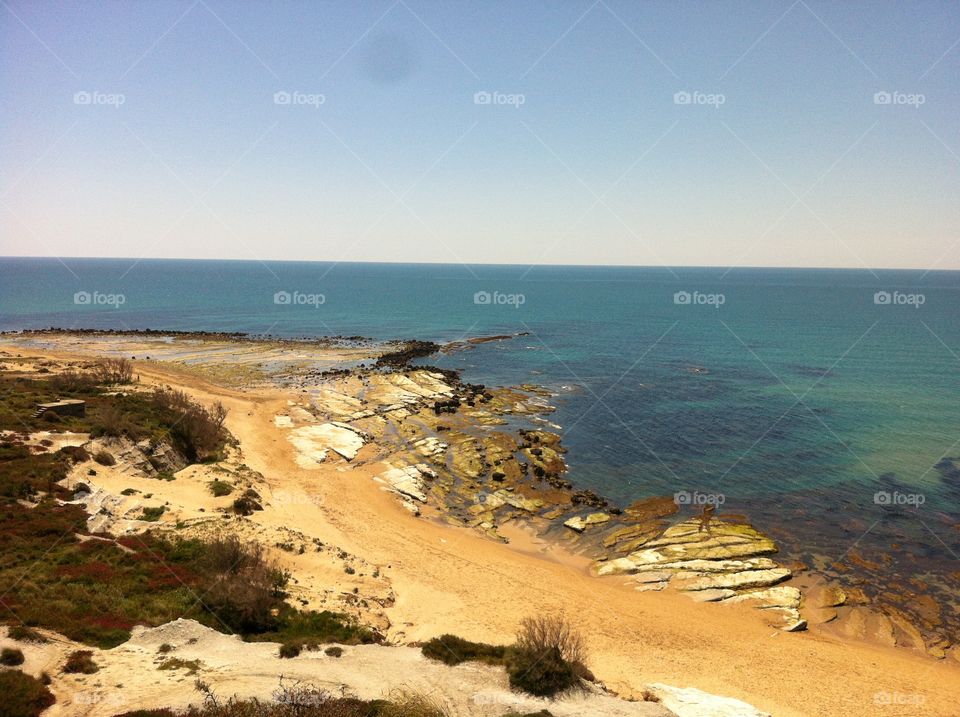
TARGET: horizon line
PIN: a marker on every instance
(663, 267)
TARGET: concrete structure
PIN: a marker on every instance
(66, 407)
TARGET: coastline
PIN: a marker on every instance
(467, 581)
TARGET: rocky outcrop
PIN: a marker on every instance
(713, 562)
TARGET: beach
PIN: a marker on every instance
(416, 573)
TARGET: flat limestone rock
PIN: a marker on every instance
(530, 505)
(610, 567)
(734, 581)
(578, 524)
(714, 566)
(691, 702)
(647, 587)
(711, 595)
(596, 518)
(654, 577)
(407, 480)
(780, 596)
(314, 442)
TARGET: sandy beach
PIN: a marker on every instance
(421, 576)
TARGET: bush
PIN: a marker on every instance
(546, 632)
(11, 657)
(22, 633)
(290, 649)
(105, 458)
(76, 454)
(23, 695)
(199, 432)
(73, 382)
(333, 651)
(246, 586)
(220, 488)
(152, 515)
(80, 662)
(452, 650)
(543, 674)
(245, 506)
(111, 371)
(548, 657)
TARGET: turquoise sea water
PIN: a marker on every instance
(793, 393)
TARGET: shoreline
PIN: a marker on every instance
(429, 559)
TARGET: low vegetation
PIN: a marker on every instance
(452, 650)
(11, 657)
(80, 662)
(547, 658)
(22, 633)
(95, 591)
(23, 695)
(220, 488)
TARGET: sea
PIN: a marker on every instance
(821, 404)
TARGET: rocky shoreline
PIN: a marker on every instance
(473, 456)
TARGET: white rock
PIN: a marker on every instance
(691, 702)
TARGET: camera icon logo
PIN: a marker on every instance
(882, 98)
(82, 298)
(282, 298)
(82, 98)
(281, 98)
(882, 497)
(682, 298)
(881, 298)
(482, 98)
(682, 98)
(683, 497)
(482, 298)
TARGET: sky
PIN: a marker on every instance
(657, 133)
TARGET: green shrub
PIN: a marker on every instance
(11, 657)
(152, 515)
(22, 633)
(220, 488)
(290, 649)
(23, 695)
(452, 650)
(333, 651)
(105, 458)
(543, 674)
(76, 454)
(80, 662)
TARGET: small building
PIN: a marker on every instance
(66, 407)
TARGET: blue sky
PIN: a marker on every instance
(154, 129)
